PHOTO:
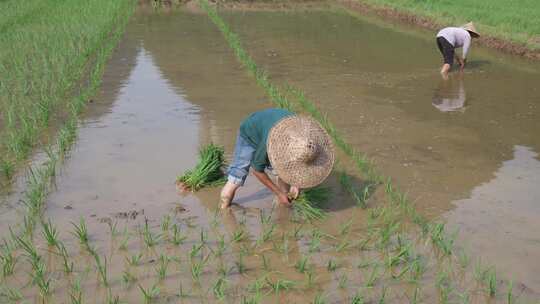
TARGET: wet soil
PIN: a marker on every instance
(464, 149)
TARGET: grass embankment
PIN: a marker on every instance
(390, 230)
(508, 21)
(47, 48)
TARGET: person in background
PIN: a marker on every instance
(451, 38)
(295, 147)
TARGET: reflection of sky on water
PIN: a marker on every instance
(450, 96)
(500, 219)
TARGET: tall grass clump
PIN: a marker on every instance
(207, 172)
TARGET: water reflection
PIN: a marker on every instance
(450, 95)
(504, 211)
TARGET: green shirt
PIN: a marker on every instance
(255, 129)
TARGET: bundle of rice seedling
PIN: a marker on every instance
(207, 172)
(309, 203)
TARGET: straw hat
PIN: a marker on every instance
(300, 151)
(471, 29)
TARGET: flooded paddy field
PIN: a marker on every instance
(465, 150)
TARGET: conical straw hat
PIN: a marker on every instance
(300, 151)
(470, 27)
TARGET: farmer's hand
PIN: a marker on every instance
(293, 192)
(283, 198)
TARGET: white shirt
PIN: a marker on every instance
(457, 37)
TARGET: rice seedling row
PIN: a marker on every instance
(41, 68)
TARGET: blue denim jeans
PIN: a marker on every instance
(239, 168)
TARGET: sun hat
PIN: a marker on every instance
(300, 151)
(470, 28)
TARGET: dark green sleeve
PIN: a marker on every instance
(260, 159)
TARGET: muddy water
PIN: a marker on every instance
(465, 148)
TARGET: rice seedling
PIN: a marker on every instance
(491, 282)
(297, 233)
(443, 285)
(177, 237)
(81, 232)
(182, 293)
(29, 249)
(331, 266)
(282, 246)
(7, 258)
(266, 234)
(165, 222)
(196, 249)
(239, 235)
(125, 240)
(342, 281)
(134, 260)
(128, 278)
(39, 277)
(382, 299)
(343, 245)
(510, 293)
(10, 294)
(441, 240)
(309, 203)
(302, 264)
(112, 299)
(221, 245)
(113, 228)
(163, 264)
(197, 268)
(464, 298)
(463, 258)
(148, 237)
(240, 265)
(101, 267)
(219, 287)
(251, 300)
(50, 234)
(372, 278)
(416, 296)
(418, 268)
(207, 172)
(310, 278)
(150, 294)
(319, 299)
(203, 236)
(7, 168)
(68, 266)
(344, 228)
(266, 263)
(315, 241)
(357, 298)
(401, 257)
(280, 285)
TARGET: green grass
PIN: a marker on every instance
(207, 172)
(516, 21)
(46, 48)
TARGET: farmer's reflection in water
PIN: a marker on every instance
(450, 95)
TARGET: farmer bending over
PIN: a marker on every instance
(451, 38)
(297, 148)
